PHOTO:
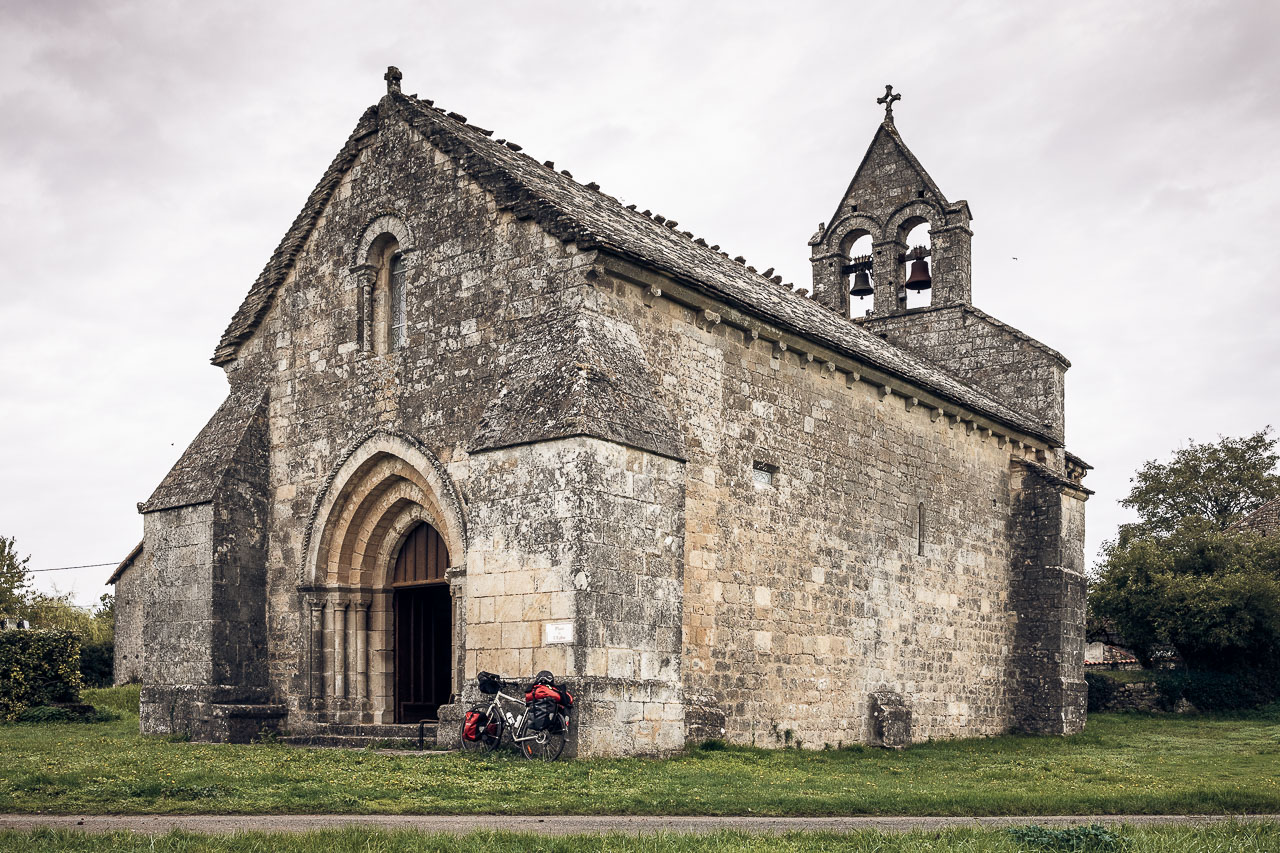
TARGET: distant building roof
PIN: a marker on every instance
(1265, 520)
(125, 564)
(1102, 654)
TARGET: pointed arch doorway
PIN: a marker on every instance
(423, 618)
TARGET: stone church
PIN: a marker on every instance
(483, 416)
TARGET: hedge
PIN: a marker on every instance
(1219, 691)
(1101, 691)
(37, 668)
(97, 661)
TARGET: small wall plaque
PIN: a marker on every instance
(554, 633)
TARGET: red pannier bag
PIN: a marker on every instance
(472, 725)
(542, 691)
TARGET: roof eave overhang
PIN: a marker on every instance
(697, 295)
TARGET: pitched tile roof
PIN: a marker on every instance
(126, 563)
(594, 220)
(195, 477)
(597, 382)
(1265, 520)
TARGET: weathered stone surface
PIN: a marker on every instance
(712, 505)
(1048, 598)
(130, 583)
(974, 346)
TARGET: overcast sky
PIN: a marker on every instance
(152, 154)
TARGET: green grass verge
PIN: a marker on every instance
(1122, 764)
(123, 699)
(1242, 838)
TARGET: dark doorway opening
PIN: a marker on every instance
(423, 627)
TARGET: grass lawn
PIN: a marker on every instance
(1122, 764)
(1239, 838)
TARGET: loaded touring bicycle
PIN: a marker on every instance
(536, 725)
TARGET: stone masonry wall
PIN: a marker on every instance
(805, 596)
(985, 353)
(1047, 667)
(238, 583)
(588, 533)
(130, 591)
(177, 625)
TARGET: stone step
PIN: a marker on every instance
(385, 730)
(364, 735)
(358, 741)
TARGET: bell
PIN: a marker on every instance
(861, 285)
(919, 278)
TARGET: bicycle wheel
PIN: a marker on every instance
(488, 737)
(545, 745)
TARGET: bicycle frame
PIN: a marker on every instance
(515, 722)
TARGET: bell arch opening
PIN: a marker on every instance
(914, 275)
(857, 248)
(383, 579)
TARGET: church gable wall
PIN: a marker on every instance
(804, 596)
(478, 283)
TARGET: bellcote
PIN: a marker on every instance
(890, 195)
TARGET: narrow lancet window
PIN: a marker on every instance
(399, 327)
(920, 530)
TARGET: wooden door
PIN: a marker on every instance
(423, 626)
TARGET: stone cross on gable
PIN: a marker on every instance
(887, 100)
(393, 78)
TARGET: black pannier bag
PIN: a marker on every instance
(542, 715)
(489, 683)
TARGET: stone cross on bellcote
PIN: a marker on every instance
(888, 99)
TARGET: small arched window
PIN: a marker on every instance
(386, 318)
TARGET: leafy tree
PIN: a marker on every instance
(1218, 482)
(1181, 576)
(1212, 594)
(15, 581)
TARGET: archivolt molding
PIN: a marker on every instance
(380, 486)
(853, 222)
(915, 209)
(385, 223)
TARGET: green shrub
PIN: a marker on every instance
(37, 668)
(1101, 691)
(1218, 691)
(97, 662)
(62, 714)
(1071, 839)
